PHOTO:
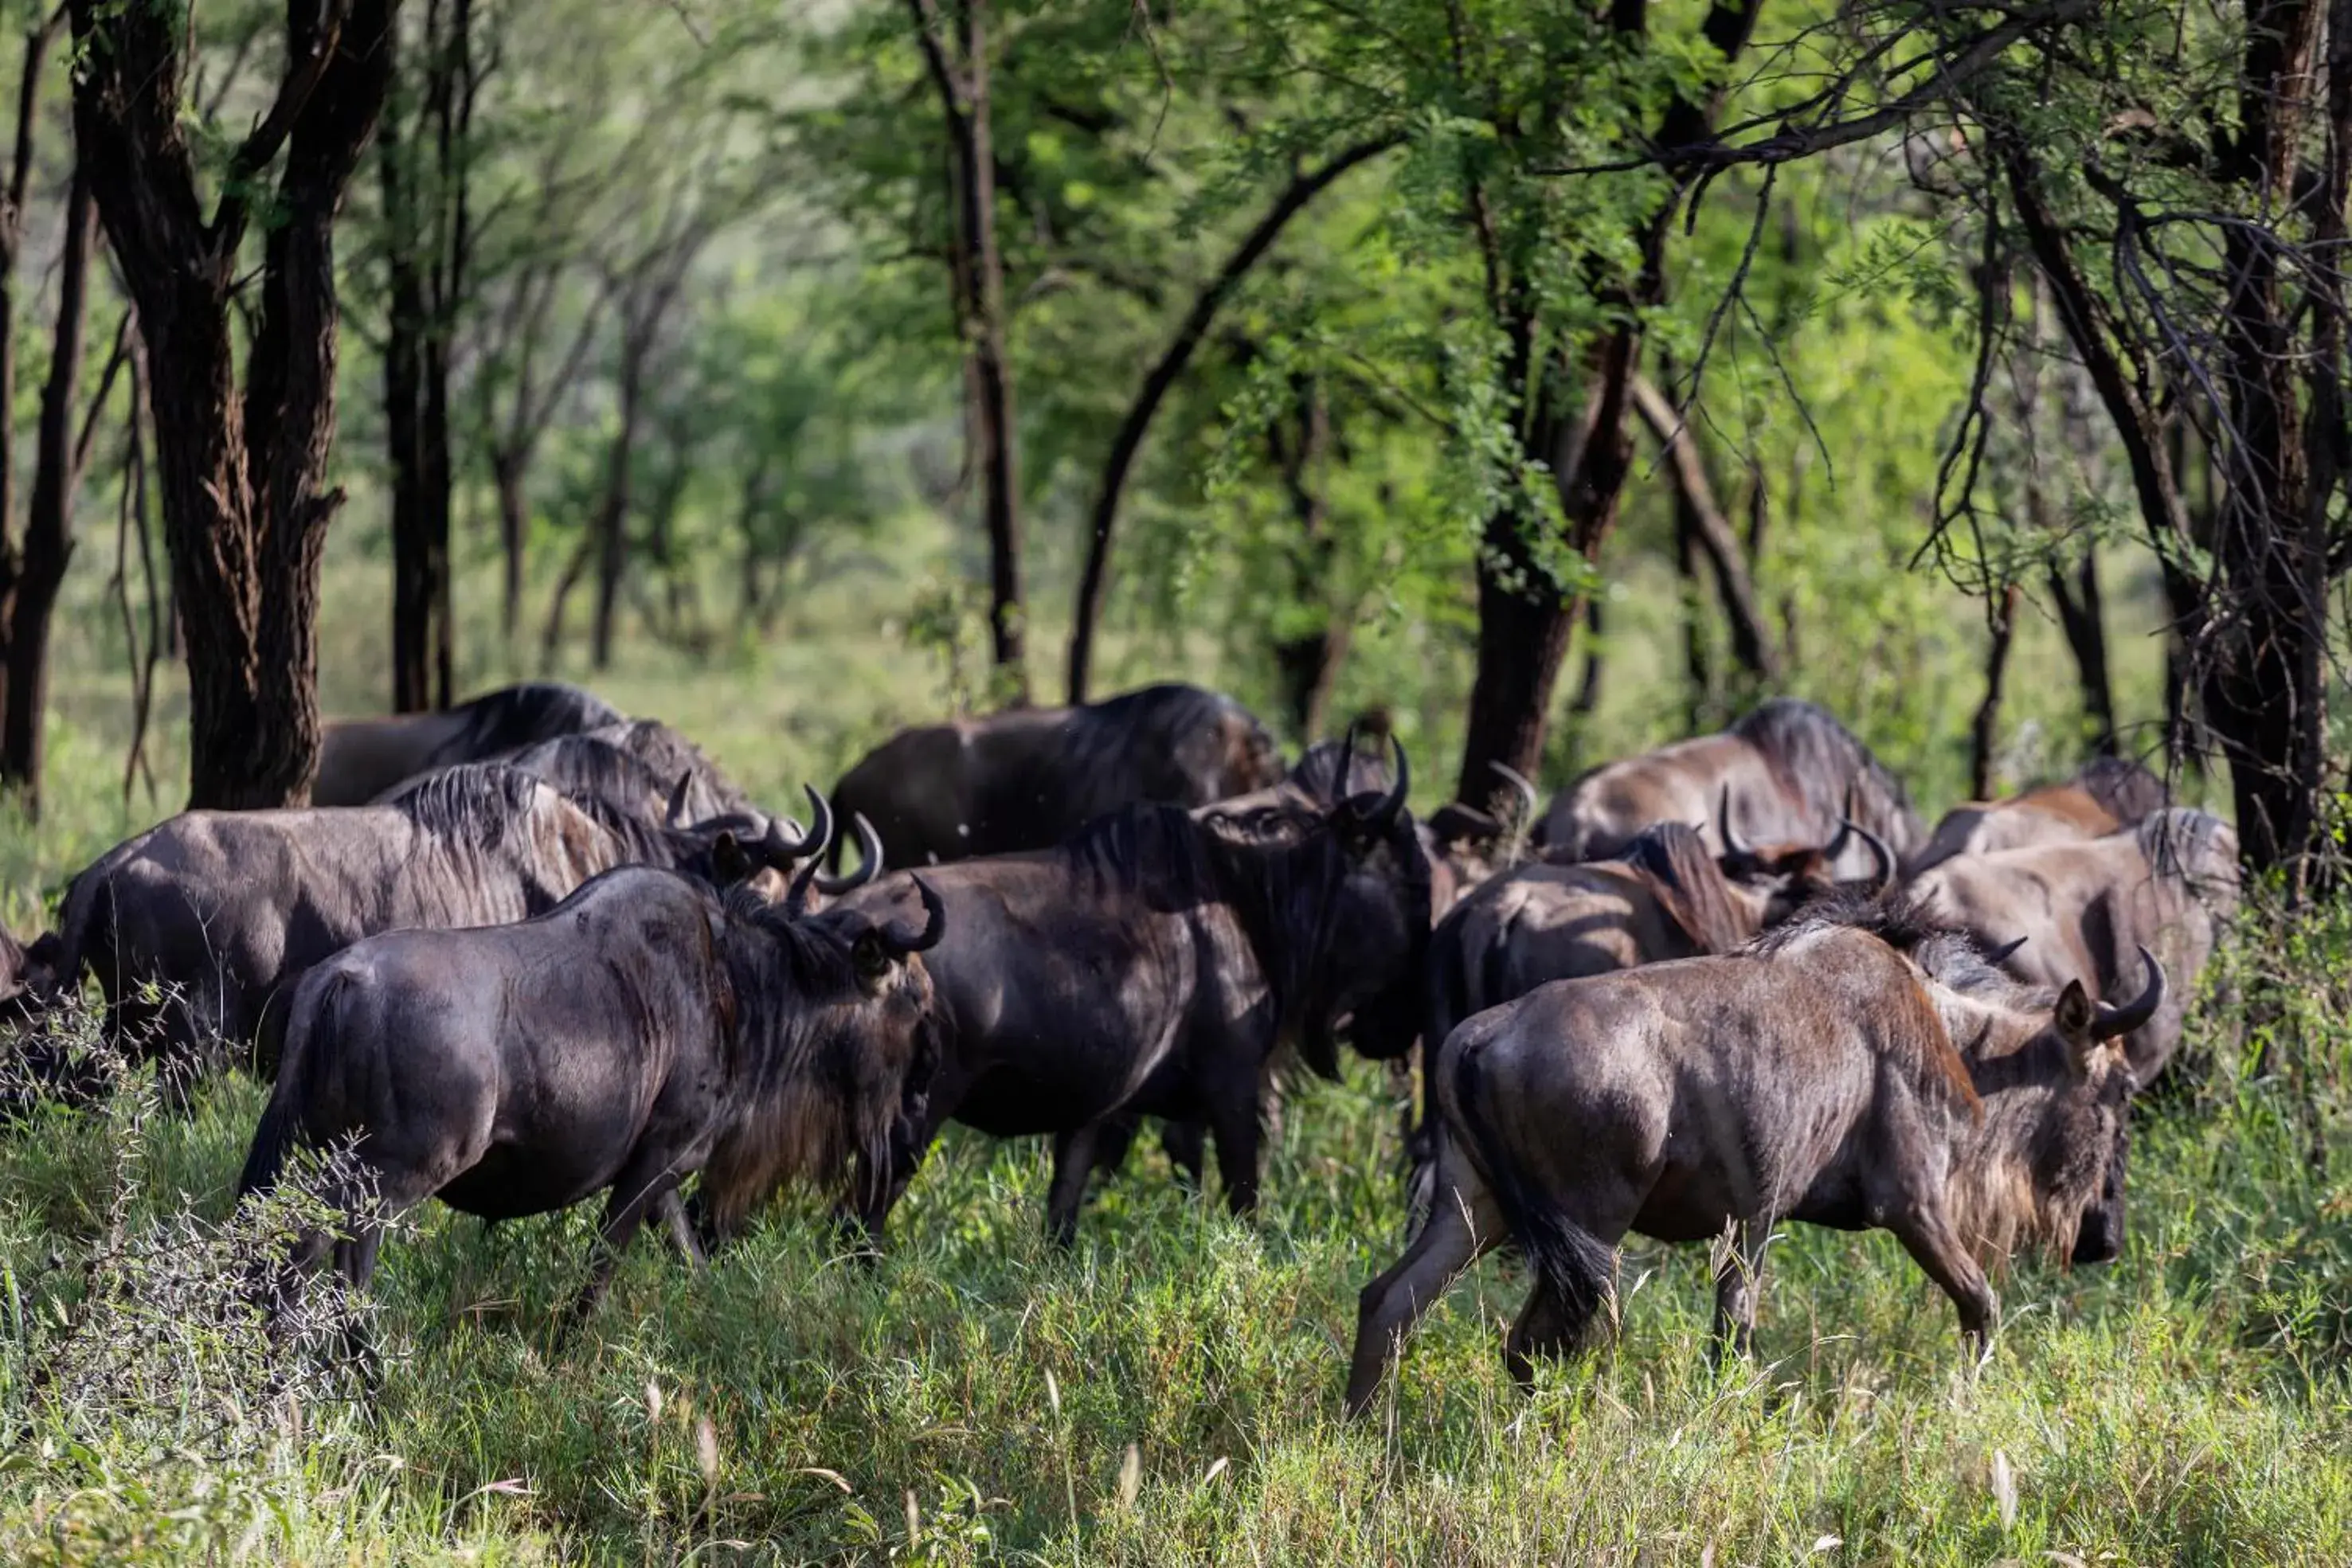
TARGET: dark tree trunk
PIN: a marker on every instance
(418, 561)
(1306, 667)
(2081, 616)
(507, 470)
(48, 522)
(1984, 735)
(243, 517)
(1698, 666)
(1094, 580)
(611, 529)
(976, 267)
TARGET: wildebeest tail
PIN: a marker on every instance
(1577, 1265)
(273, 1140)
(316, 997)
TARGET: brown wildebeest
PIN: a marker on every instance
(1150, 965)
(641, 766)
(2087, 907)
(1858, 1069)
(1028, 778)
(226, 910)
(1793, 772)
(2109, 794)
(1662, 897)
(360, 758)
(644, 1028)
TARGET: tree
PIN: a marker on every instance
(959, 75)
(424, 154)
(245, 517)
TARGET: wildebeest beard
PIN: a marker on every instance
(824, 1070)
(1286, 873)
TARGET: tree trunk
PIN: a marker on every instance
(1984, 735)
(977, 274)
(243, 517)
(2081, 617)
(611, 531)
(48, 523)
(1698, 667)
(506, 471)
(415, 564)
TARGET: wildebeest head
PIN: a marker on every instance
(1353, 881)
(749, 849)
(2053, 1146)
(835, 1041)
(1791, 875)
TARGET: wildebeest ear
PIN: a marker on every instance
(728, 858)
(2074, 1016)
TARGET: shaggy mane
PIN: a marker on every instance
(2124, 789)
(1820, 761)
(515, 717)
(1673, 857)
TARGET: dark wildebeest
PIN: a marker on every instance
(1149, 966)
(360, 758)
(2086, 908)
(644, 1028)
(2109, 795)
(1858, 1069)
(1029, 778)
(641, 766)
(1793, 772)
(226, 909)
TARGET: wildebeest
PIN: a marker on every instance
(1028, 778)
(1793, 772)
(226, 909)
(2085, 908)
(1860, 1069)
(1149, 965)
(641, 766)
(644, 1028)
(360, 758)
(2109, 794)
(1662, 897)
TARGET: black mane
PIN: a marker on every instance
(515, 717)
(1818, 758)
(1674, 857)
(477, 802)
(2124, 789)
(1907, 922)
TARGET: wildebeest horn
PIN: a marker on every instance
(674, 815)
(2005, 952)
(782, 851)
(1522, 786)
(935, 923)
(1879, 852)
(869, 860)
(1347, 759)
(2113, 1022)
(1731, 842)
(1381, 815)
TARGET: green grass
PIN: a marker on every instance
(1169, 1390)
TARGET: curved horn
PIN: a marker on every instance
(1521, 786)
(1347, 759)
(674, 815)
(935, 923)
(2001, 955)
(1732, 845)
(2113, 1022)
(782, 850)
(1879, 852)
(1381, 815)
(869, 860)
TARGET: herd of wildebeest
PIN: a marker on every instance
(528, 950)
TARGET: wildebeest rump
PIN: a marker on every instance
(2109, 794)
(1150, 965)
(1028, 778)
(2085, 908)
(1859, 1069)
(643, 1029)
(360, 758)
(226, 909)
(1793, 772)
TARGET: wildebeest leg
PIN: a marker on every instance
(1112, 1143)
(1461, 1231)
(1074, 1162)
(1928, 1237)
(1234, 1125)
(643, 1183)
(681, 1231)
(355, 1260)
(1738, 1282)
(1184, 1144)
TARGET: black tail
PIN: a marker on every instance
(315, 997)
(273, 1140)
(1580, 1269)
